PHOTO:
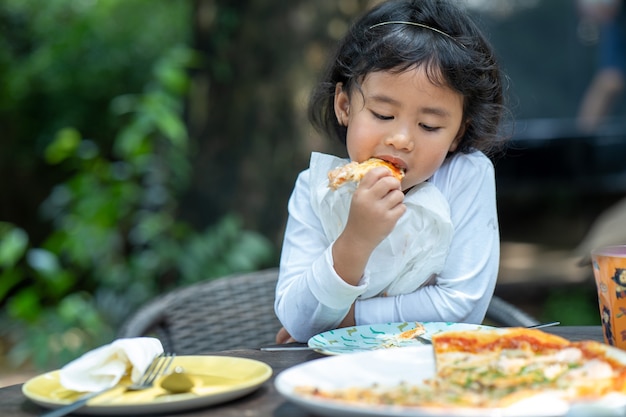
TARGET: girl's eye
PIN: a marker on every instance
(382, 117)
(429, 128)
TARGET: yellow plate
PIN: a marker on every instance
(216, 379)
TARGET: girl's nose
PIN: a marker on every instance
(400, 141)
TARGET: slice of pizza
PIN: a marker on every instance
(418, 330)
(395, 340)
(500, 367)
(355, 171)
(460, 352)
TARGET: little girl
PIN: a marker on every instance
(414, 83)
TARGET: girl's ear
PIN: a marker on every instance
(342, 105)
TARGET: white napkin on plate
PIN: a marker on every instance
(104, 367)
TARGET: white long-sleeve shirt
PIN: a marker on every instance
(312, 298)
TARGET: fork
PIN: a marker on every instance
(159, 366)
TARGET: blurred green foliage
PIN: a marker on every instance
(572, 307)
(102, 98)
(62, 62)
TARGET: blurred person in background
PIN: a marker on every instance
(608, 82)
(605, 88)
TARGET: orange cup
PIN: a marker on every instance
(609, 269)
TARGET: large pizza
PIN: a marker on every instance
(496, 368)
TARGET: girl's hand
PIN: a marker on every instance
(348, 320)
(376, 206)
(284, 337)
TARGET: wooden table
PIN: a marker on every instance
(266, 401)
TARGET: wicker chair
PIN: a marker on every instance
(230, 312)
(237, 311)
(503, 313)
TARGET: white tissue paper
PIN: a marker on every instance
(414, 251)
(104, 367)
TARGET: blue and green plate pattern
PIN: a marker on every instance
(379, 336)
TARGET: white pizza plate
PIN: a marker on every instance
(412, 365)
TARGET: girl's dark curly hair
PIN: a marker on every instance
(464, 61)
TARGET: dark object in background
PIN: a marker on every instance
(548, 153)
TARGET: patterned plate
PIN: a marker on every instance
(379, 336)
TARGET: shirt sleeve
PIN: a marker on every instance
(461, 292)
(310, 296)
